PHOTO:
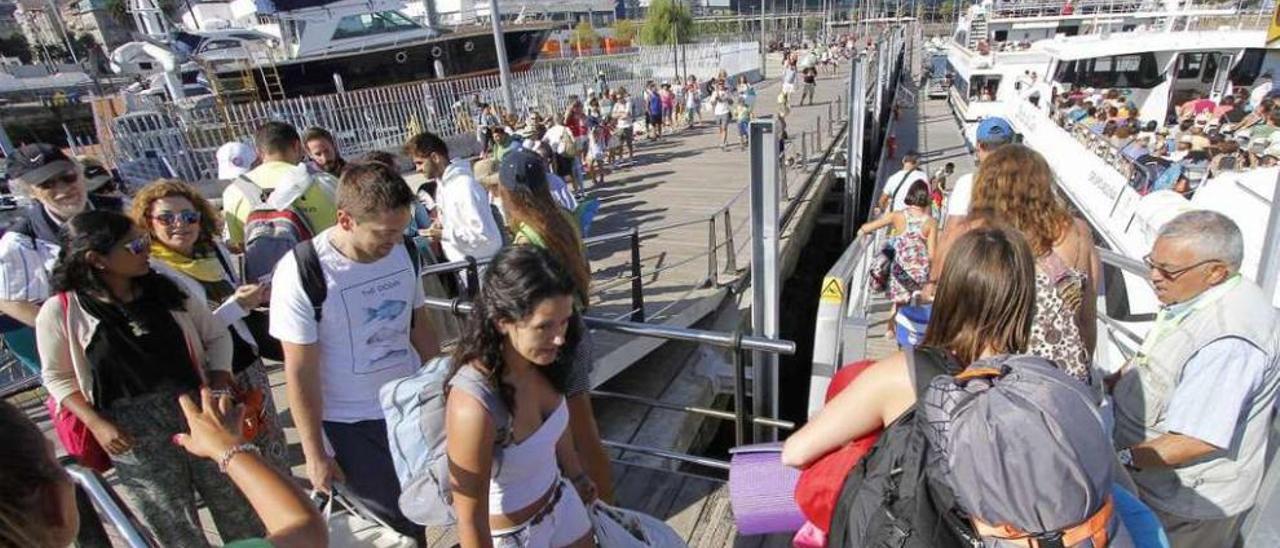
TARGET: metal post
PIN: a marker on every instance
(712, 279)
(804, 148)
(730, 252)
(500, 48)
(853, 145)
(764, 266)
(817, 131)
(764, 45)
(637, 285)
(739, 393)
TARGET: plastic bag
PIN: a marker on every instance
(618, 528)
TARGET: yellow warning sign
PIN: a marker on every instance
(832, 291)
(1273, 31)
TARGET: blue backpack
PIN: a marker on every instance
(414, 408)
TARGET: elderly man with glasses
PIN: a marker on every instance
(1193, 408)
(55, 185)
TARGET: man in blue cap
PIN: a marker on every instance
(993, 133)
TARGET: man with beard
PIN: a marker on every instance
(322, 150)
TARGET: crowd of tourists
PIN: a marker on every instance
(149, 320)
(1202, 138)
(1020, 432)
(149, 325)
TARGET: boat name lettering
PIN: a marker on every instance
(1099, 182)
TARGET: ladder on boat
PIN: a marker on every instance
(242, 85)
(977, 30)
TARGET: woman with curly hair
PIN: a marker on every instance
(1014, 186)
(183, 228)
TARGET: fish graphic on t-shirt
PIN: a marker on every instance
(384, 335)
(388, 310)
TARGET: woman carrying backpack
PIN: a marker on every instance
(916, 234)
(515, 478)
(982, 313)
(183, 227)
(535, 220)
(118, 344)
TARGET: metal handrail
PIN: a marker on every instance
(109, 505)
(701, 336)
(1127, 264)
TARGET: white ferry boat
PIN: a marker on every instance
(1014, 68)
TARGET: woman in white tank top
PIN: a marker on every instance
(515, 476)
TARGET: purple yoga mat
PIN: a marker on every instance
(762, 490)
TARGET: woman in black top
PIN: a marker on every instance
(119, 343)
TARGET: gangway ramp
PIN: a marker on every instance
(852, 319)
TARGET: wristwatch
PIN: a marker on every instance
(1126, 458)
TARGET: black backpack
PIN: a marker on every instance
(312, 276)
(888, 499)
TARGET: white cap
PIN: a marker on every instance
(235, 159)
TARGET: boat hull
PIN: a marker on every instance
(449, 56)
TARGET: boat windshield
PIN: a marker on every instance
(369, 24)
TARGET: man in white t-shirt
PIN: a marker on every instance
(993, 132)
(348, 309)
(897, 185)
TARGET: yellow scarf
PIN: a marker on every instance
(205, 269)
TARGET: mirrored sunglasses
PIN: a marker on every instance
(169, 218)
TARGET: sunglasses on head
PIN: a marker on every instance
(170, 218)
(139, 245)
(68, 178)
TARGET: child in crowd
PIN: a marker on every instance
(742, 113)
(596, 152)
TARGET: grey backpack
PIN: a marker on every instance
(1022, 445)
(414, 408)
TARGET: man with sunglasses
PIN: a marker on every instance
(29, 247)
(1194, 407)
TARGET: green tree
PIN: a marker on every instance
(584, 35)
(667, 22)
(16, 46)
(946, 9)
(84, 44)
(625, 30)
(812, 25)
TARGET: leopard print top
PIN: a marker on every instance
(1054, 333)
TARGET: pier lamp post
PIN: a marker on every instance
(500, 48)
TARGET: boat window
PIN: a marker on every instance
(1121, 71)
(1210, 67)
(1248, 68)
(1189, 65)
(366, 24)
(983, 87)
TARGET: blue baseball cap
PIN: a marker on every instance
(994, 129)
